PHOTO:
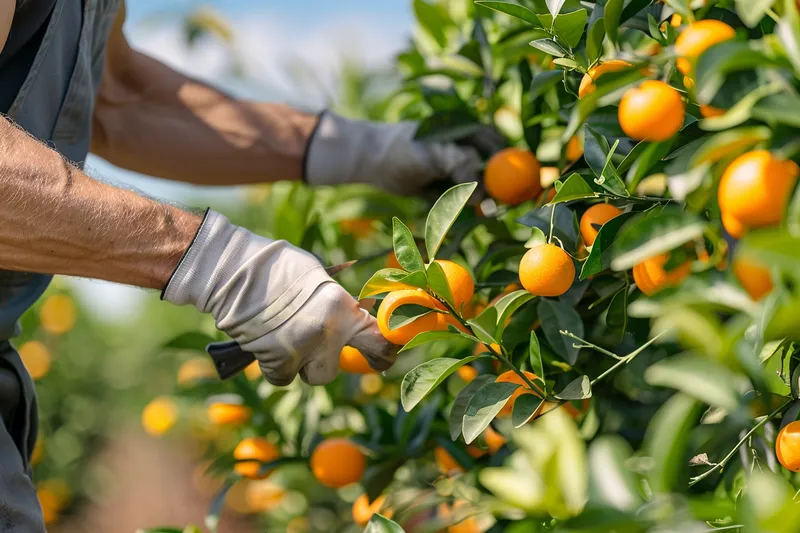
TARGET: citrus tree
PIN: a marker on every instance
(600, 336)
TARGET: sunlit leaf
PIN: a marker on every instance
(549, 46)
(437, 281)
(515, 10)
(577, 389)
(612, 13)
(426, 377)
(574, 188)
(406, 314)
(431, 336)
(461, 402)
(666, 443)
(391, 279)
(443, 214)
(600, 256)
(525, 408)
(612, 479)
(380, 524)
(484, 406)
(405, 247)
(535, 358)
(696, 376)
(594, 40)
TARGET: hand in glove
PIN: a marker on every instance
(276, 301)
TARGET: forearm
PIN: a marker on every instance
(153, 120)
(54, 219)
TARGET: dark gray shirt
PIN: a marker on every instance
(27, 31)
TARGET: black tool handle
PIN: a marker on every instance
(229, 358)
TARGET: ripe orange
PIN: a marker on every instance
(403, 334)
(159, 416)
(598, 214)
(755, 189)
(353, 361)
(574, 149)
(510, 376)
(229, 414)
(653, 111)
(546, 270)
(732, 225)
(460, 281)
(710, 111)
(357, 227)
(787, 446)
(446, 463)
(260, 451)
(38, 451)
(363, 510)
(262, 496)
(467, 373)
(337, 463)
(697, 38)
(36, 358)
(447, 514)
(58, 314)
(587, 82)
(753, 276)
(50, 503)
(392, 262)
(650, 276)
(494, 441)
(512, 176)
(195, 370)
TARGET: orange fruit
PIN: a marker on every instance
(353, 361)
(50, 504)
(753, 276)
(371, 384)
(510, 376)
(787, 446)
(512, 176)
(598, 214)
(253, 371)
(159, 416)
(36, 358)
(709, 111)
(653, 111)
(755, 189)
(732, 225)
(264, 495)
(38, 451)
(403, 334)
(650, 276)
(546, 270)
(337, 463)
(446, 463)
(574, 149)
(546, 196)
(228, 414)
(392, 262)
(58, 314)
(363, 510)
(448, 514)
(587, 82)
(697, 38)
(493, 440)
(467, 373)
(195, 370)
(357, 227)
(460, 282)
(260, 451)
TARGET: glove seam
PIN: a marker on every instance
(186, 252)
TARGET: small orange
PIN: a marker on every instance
(510, 376)
(357, 227)
(732, 225)
(587, 82)
(598, 215)
(469, 524)
(38, 451)
(50, 504)
(650, 276)
(159, 416)
(195, 370)
(253, 371)
(574, 149)
(755, 189)
(429, 322)
(392, 262)
(697, 38)
(710, 111)
(467, 373)
(260, 451)
(58, 314)
(353, 361)
(36, 358)
(546, 196)
(228, 414)
(546, 270)
(493, 440)
(512, 176)
(446, 463)
(653, 111)
(337, 463)
(753, 276)
(787, 446)
(460, 281)
(263, 496)
(363, 510)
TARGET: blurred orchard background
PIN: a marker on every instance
(96, 350)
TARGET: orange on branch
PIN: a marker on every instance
(36, 358)
(260, 451)
(697, 38)
(467, 373)
(58, 314)
(228, 414)
(460, 282)
(358, 227)
(587, 82)
(353, 361)
(446, 463)
(159, 416)
(546, 270)
(337, 463)
(753, 276)
(654, 111)
(574, 148)
(512, 176)
(433, 321)
(709, 111)
(598, 215)
(194, 370)
(392, 262)
(512, 377)
(787, 446)
(363, 510)
(651, 277)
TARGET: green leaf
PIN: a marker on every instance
(574, 188)
(752, 11)
(549, 46)
(720, 60)
(617, 315)
(431, 336)
(507, 305)
(654, 232)
(557, 316)
(485, 325)
(651, 155)
(729, 143)
(215, 508)
(535, 358)
(577, 389)
(566, 63)
(613, 481)
(387, 280)
(598, 154)
(443, 214)
(612, 13)
(537, 237)
(515, 10)
(554, 6)
(599, 258)
(788, 31)
(405, 247)
(461, 402)
(406, 314)
(431, 19)
(772, 247)
(437, 281)
(484, 406)
(526, 407)
(381, 524)
(543, 82)
(780, 108)
(565, 223)
(424, 378)
(742, 110)
(696, 376)
(569, 26)
(666, 443)
(594, 40)
(380, 475)
(190, 341)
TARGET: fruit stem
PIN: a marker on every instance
(627, 358)
(587, 344)
(739, 444)
(552, 223)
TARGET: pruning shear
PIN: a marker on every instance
(230, 359)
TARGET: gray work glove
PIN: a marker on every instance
(276, 301)
(389, 157)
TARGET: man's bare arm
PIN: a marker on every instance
(153, 120)
(54, 219)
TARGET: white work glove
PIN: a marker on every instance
(276, 301)
(389, 157)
